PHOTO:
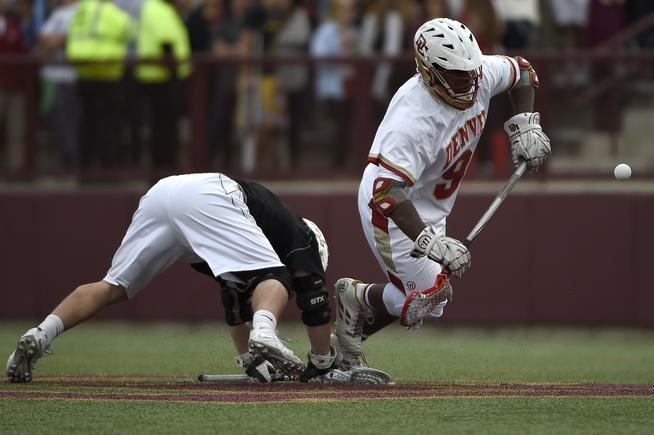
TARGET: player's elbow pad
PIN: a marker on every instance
(528, 76)
(387, 193)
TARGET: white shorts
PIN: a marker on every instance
(392, 249)
(190, 218)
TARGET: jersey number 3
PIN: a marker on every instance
(453, 176)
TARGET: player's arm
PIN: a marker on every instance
(390, 199)
(528, 142)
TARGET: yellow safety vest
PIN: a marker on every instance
(159, 24)
(99, 31)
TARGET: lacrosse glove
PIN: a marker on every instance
(321, 364)
(528, 142)
(444, 250)
(256, 367)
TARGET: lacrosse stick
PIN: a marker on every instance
(418, 305)
(356, 375)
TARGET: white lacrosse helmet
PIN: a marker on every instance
(449, 61)
(322, 243)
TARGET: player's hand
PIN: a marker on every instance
(320, 364)
(447, 251)
(528, 142)
(256, 367)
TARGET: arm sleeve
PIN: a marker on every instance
(502, 72)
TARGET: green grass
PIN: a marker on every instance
(430, 354)
(456, 415)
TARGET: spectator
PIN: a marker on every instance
(283, 28)
(232, 38)
(12, 100)
(481, 18)
(606, 18)
(636, 10)
(62, 111)
(431, 9)
(336, 37)
(570, 18)
(386, 30)
(99, 32)
(292, 38)
(184, 8)
(521, 20)
(162, 36)
(202, 23)
(29, 21)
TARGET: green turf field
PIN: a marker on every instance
(451, 357)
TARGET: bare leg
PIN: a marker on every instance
(86, 300)
(319, 339)
(82, 303)
(270, 295)
(268, 302)
(240, 335)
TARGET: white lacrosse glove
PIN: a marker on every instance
(528, 142)
(256, 367)
(447, 251)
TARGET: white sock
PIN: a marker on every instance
(264, 319)
(52, 326)
(393, 299)
(364, 292)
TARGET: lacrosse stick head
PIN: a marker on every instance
(419, 305)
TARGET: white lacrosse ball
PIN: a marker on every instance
(622, 172)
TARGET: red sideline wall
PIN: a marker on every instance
(545, 259)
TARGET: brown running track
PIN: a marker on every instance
(181, 390)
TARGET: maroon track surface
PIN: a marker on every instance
(178, 390)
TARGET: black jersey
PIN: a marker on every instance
(290, 237)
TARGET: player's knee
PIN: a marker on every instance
(313, 299)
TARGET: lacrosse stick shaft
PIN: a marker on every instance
(223, 379)
(501, 196)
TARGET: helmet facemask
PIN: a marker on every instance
(457, 88)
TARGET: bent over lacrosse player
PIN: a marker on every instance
(208, 219)
(302, 247)
(415, 167)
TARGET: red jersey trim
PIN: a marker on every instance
(380, 161)
(514, 73)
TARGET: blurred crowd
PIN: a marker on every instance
(130, 114)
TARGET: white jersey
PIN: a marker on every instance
(428, 143)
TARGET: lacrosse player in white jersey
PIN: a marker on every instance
(238, 232)
(415, 167)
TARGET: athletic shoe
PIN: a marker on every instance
(31, 346)
(351, 312)
(266, 343)
(349, 360)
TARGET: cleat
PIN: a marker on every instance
(31, 346)
(349, 360)
(265, 343)
(350, 315)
